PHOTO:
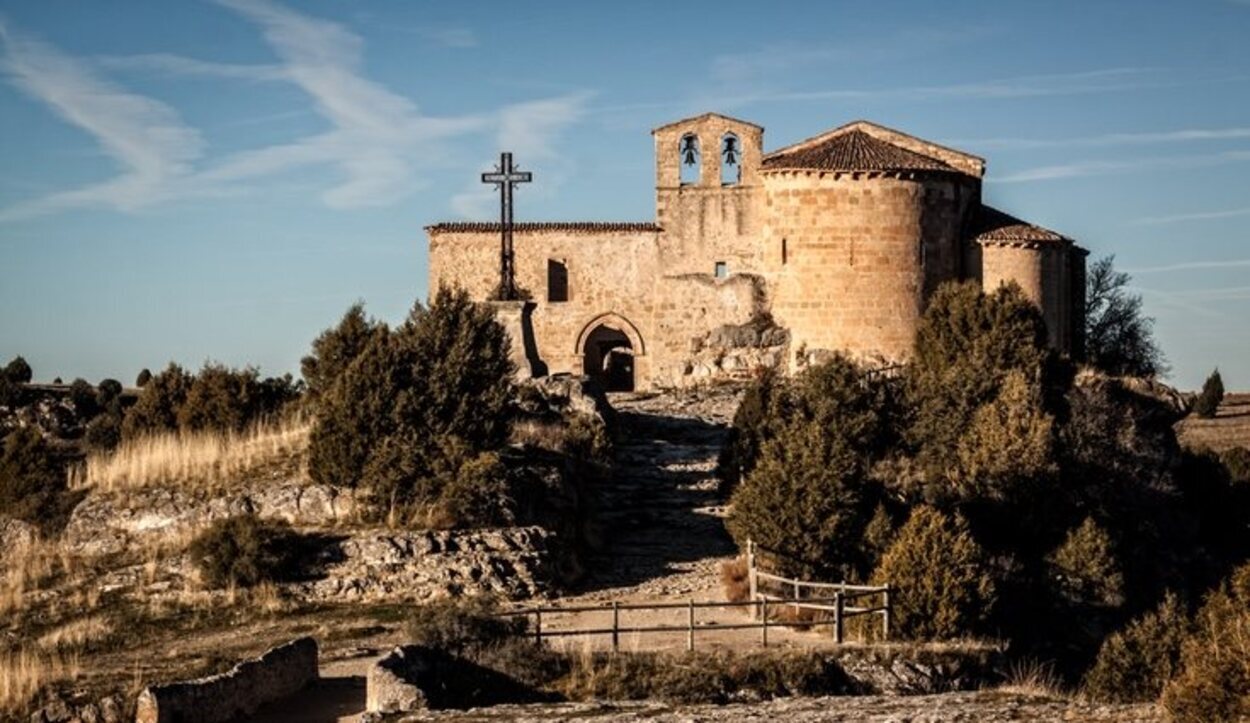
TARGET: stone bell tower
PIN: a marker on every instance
(708, 196)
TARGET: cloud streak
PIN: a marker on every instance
(1106, 140)
(529, 130)
(146, 139)
(1189, 266)
(374, 142)
(1200, 216)
(1104, 168)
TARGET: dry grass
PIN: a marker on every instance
(1034, 679)
(535, 433)
(26, 569)
(205, 459)
(77, 634)
(1230, 427)
(734, 579)
(23, 673)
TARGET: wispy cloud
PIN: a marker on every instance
(1028, 86)
(530, 130)
(169, 64)
(1109, 139)
(1103, 168)
(375, 140)
(1200, 216)
(147, 139)
(1190, 266)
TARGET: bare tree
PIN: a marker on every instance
(1119, 339)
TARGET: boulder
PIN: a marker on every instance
(16, 536)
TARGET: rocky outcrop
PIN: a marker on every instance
(62, 710)
(736, 352)
(385, 565)
(109, 523)
(566, 394)
(15, 536)
(278, 673)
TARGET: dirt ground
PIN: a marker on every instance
(1230, 427)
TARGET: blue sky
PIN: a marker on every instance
(200, 179)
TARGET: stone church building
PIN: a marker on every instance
(754, 259)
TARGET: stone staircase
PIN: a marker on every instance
(663, 516)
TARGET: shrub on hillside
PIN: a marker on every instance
(1134, 664)
(336, 348)
(156, 410)
(808, 499)
(1009, 444)
(145, 376)
(108, 391)
(1084, 569)
(83, 396)
(228, 399)
(103, 433)
(32, 481)
(1119, 339)
(1237, 462)
(1208, 401)
(244, 551)
(387, 425)
(1213, 679)
(944, 586)
(966, 345)
(18, 371)
(460, 626)
(749, 431)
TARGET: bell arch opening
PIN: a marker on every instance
(608, 356)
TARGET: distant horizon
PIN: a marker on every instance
(220, 180)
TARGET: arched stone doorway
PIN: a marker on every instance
(608, 355)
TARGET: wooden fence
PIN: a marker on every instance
(814, 596)
(833, 603)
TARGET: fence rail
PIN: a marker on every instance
(822, 597)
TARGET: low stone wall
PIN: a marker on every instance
(278, 673)
(392, 684)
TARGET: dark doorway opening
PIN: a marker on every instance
(609, 357)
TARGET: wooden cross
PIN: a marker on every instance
(506, 177)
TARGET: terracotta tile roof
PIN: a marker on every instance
(524, 226)
(853, 151)
(995, 227)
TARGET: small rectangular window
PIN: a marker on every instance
(722, 269)
(557, 281)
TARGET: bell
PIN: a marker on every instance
(690, 153)
(731, 151)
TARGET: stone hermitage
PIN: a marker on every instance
(755, 260)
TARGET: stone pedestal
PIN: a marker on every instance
(514, 316)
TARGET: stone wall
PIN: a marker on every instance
(856, 254)
(1045, 274)
(278, 673)
(393, 683)
(609, 272)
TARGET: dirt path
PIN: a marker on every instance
(667, 538)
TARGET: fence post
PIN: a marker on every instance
(538, 626)
(837, 617)
(751, 581)
(690, 622)
(616, 626)
(885, 614)
(764, 626)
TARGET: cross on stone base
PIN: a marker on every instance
(506, 177)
